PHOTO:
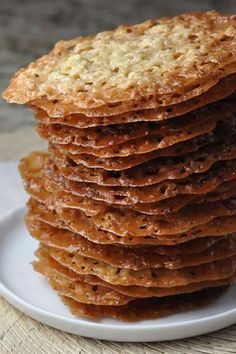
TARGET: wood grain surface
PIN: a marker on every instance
(28, 29)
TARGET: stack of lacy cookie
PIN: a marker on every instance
(134, 203)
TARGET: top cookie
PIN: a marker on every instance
(155, 63)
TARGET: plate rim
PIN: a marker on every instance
(48, 317)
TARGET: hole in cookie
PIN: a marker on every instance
(169, 110)
(163, 190)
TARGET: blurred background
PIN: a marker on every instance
(29, 28)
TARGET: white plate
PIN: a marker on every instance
(30, 293)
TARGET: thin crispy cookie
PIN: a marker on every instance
(133, 258)
(84, 226)
(48, 266)
(139, 310)
(94, 72)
